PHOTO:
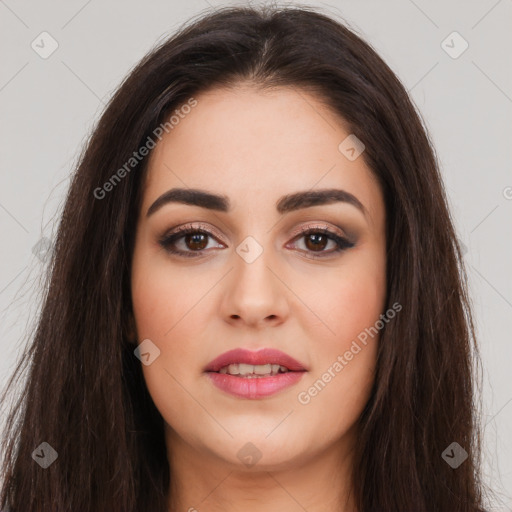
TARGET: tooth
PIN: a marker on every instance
(253, 371)
(234, 369)
(244, 369)
(262, 369)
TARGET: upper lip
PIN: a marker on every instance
(262, 356)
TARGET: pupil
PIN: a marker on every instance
(316, 244)
(196, 239)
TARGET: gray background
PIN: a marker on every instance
(48, 107)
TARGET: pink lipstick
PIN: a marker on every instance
(252, 375)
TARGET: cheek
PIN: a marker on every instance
(164, 298)
(169, 320)
(170, 309)
(344, 357)
(339, 385)
(359, 302)
(346, 302)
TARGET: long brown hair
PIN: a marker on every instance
(85, 395)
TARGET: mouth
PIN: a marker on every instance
(247, 374)
(251, 371)
(262, 362)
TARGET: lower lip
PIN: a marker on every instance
(253, 388)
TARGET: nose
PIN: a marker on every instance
(255, 293)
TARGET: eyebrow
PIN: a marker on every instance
(285, 204)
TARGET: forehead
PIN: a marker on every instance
(253, 145)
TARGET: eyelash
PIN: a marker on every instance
(168, 241)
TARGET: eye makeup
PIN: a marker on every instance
(316, 235)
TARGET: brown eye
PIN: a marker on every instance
(316, 241)
(188, 242)
(196, 241)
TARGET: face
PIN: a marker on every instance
(258, 270)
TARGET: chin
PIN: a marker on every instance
(255, 451)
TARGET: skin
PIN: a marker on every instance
(255, 147)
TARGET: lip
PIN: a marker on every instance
(259, 387)
(263, 356)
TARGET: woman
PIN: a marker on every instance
(257, 299)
